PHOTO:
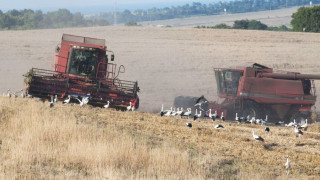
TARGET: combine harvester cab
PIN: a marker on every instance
(82, 69)
(257, 91)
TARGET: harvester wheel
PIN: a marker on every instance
(301, 117)
(252, 109)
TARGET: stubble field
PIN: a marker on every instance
(73, 142)
(69, 142)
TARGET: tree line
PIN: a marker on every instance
(306, 19)
(29, 19)
(197, 8)
(247, 24)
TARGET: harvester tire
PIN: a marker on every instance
(252, 109)
(301, 117)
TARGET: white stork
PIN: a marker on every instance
(51, 103)
(305, 125)
(256, 137)
(218, 126)
(214, 116)
(179, 112)
(186, 114)
(287, 165)
(189, 125)
(298, 131)
(107, 105)
(238, 119)
(129, 107)
(84, 101)
(55, 98)
(23, 94)
(222, 117)
(168, 112)
(9, 93)
(66, 101)
(196, 116)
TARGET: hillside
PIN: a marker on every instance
(73, 142)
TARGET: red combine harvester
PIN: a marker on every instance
(257, 91)
(82, 69)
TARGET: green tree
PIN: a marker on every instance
(306, 19)
(254, 24)
(241, 24)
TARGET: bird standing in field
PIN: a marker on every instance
(174, 112)
(305, 125)
(179, 112)
(253, 120)
(239, 119)
(189, 125)
(107, 105)
(208, 114)
(51, 103)
(222, 117)
(66, 101)
(162, 111)
(84, 101)
(294, 123)
(214, 116)
(264, 121)
(186, 114)
(287, 165)
(129, 107)
(9, 93)
(196, 116)
(298, 131)
(23, 94)
(168, 112)
(55, 98)
(256, 137)
(267, 129)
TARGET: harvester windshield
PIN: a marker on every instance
(83, 61)
(227, 81)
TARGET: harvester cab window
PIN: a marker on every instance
(83, 62)
(227, 81)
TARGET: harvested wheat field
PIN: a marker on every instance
(73, 142)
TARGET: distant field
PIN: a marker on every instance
(271, 18)
(73, 142)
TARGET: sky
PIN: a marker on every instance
(93, 6)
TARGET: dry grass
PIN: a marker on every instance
(69, 142)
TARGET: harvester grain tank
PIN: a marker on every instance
(83, 69)
(257, 91)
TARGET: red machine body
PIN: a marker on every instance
(257, 91)
(82, 69)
